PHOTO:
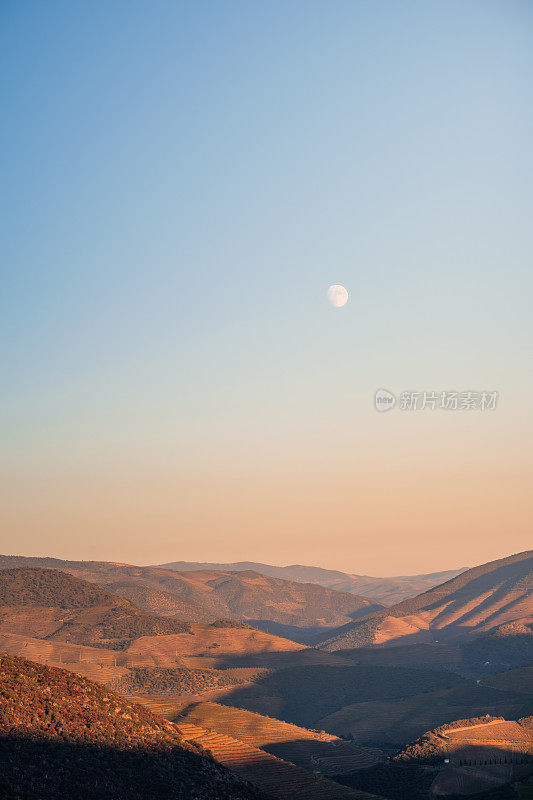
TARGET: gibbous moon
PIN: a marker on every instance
(337, 295)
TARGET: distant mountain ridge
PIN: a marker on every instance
(387, 591)
(491, 599)
(299, 611)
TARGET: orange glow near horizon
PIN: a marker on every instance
(399, 495)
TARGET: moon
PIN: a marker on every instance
(337, 295)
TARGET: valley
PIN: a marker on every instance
(288, 718)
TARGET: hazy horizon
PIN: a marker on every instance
(271, 562)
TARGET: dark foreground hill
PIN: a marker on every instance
(494, 598)
(381, 590)
(298, 611)
(54, 605)
(62, 736)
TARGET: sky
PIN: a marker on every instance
(181, 183)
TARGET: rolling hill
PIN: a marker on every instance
(492, 599)
(283, 760)
(305, 693)
(49, 604)
(64, 736)
(464, 739)
(300, 611)
(513, 680)
(58, 619)
(307, 748)
(477, 657)
(386, 591)
(390, 722)
(474, 755)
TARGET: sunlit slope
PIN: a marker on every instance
(286, 608)
(475, 755)
(47, 603)
(494, 597)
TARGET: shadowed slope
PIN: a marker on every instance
(64, 736)
(485, 758)
(276, 776)
(394, 721)
(307, 748)
(304, 694)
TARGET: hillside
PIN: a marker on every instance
(390, 722)
(299, 611)
(306, 748)
(478, 754)
(482, 758)
(278, 778)
(64, 736)
(285, 608)
(453, 740)
(303, 694)
(48, 587)
(495, 598)
(385, 705)
(513, 680)
(201, 658)
(50, 604)
(300, 773)
(386, 591)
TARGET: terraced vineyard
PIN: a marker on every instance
(127, 672)
(485, 738)
(208, 646)
(472, 755)
(496, 731)
(274, 776)
(484, 757)
(470, 780)
(68, 655)
(98, 664)
(314, 750)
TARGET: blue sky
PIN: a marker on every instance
(181, 184)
